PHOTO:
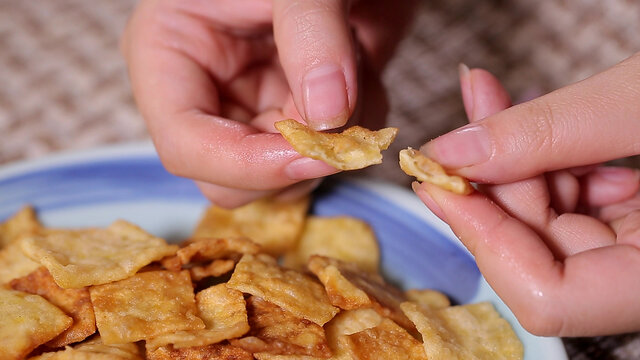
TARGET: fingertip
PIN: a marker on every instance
(317, 52)
(325, 97)
(423, 194)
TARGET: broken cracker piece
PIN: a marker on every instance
(415, 164)
(354, 148)
(277, 331)
(224, 313)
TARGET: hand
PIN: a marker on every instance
(560, 247)
(211, 77)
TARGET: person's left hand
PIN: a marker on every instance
(560, 248)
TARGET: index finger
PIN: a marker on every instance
(179, 100)
(592, 121)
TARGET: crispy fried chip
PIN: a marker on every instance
(352, 321)
(224, 313)
(94, 349)
(268, 356)
(274, 225)
(144, 306)
(78, 258)
(200, 250)
(422, 168)
(76, 303)
(385, 341)
(341, 237)
(219, 351)
(24, 222)
(27, 321)
(215, 268)
(354, 148)
(432, 299)
(346, 323)
(14, 263)
(293, 291)
(348, 287)
(474, 331)
(277, 331)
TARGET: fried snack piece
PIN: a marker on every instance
(268, 356)
(385, 341)
(76, 303)
(354, 148)
(348, 287)
(144, 306)
(207, 249)
(78, 258)
(24, 222)
(274, 225)
(432, 299)
(422, 168)
(293, 291)
(474, 331)
(219, 351)
(27, 321)
(14, 263)
(277, 331)
(346, 323)
(215, 268)
(94, 349)
(342, 237)
(224, 313)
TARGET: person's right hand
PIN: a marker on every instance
(211, 77)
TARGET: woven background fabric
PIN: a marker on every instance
(63, 84)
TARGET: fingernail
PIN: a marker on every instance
(466, 89)
(326, 103)
(618, 174)
(466, 146)
(307, 168)
(426, 198)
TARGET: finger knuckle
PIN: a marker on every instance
(540, 130)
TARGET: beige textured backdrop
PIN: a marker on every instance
(63, 84)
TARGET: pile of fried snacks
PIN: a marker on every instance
(266, 281)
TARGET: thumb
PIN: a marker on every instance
(316, 49)
(592, 121)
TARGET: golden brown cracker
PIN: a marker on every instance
(353, 148)
(224, 314)
(27, 321)
(219, 351)
(274, 225)
(14, 263)
(24, 222)
(474, 331)
(387, 341)
(277, 331)
(78, 258)
(293, 291)
(341, 237)
(347, 285)
(415, 164)
(144, 306)
(75, 303)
